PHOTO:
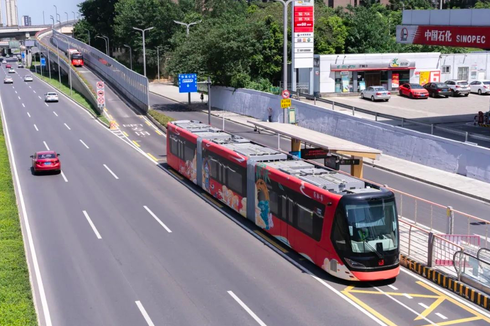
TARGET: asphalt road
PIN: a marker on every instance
(120, 241)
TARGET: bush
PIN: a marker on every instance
(160, 117)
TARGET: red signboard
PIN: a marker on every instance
(459, 36)
(303, 19)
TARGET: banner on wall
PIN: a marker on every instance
(303, 11)
(395, 80)
(424, 77)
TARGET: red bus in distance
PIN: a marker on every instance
(75, 57)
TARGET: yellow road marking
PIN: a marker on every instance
(456, 321)
(176, 174)
(347, 291)
(431, 308)
(211, 199)
(125, 134)
(149, 124)
(396, 293)
(134, 142)
(459, 304)
(158, 132)
(263, 236)
(152, 157)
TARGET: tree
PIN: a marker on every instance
(330, 32)
(98, 17)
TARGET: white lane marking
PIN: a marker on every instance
(28, 114)
(46, 104)
(423, 305)
(39, 97)
(29, 86)
(407, 295)
(67, 126)
(157, 219)
(406, 307)
(84, 144)
(393, 287)
(46, 145)
(247, 309)
(15, 92)
(33, 90)
(63, 175)
(137, 133)
(36, 127)
(23, 105)
(18, 97)
(441, 316)
(144, 313)
(113, 174)
(32, 249)
(56, 114)
(92, 225)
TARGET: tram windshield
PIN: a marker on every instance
(366, 225)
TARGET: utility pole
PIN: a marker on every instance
(130, 57)
(144, 49)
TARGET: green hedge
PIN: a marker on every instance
(160, 117)
(16, 304)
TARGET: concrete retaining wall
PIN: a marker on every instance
(433, 151)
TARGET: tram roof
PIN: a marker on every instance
(327, 142)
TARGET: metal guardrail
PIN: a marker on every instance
(128, 82)
(403, 121)
(473, 269)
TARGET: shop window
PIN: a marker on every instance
(463, 73)
(446, 69)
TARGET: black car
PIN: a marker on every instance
(437, 89)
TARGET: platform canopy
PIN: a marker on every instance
(333, 144)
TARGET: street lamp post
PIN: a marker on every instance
(106, 39)
(44, 23)
(144, 54)
(285, 49)
(74, 18)
(59, 68)
(158, 62)
(130, 57)
(66, 16)
(51, 16)
(187, 25)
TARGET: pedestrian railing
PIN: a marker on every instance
(473, 269)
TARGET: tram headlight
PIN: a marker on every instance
(353, 263)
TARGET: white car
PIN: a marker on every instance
(28, 78)
(480, 87)
(11, 71)
(20, 65)
(376, 93)
(50, 97)
(8, 80)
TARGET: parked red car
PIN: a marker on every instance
(46, 161)
(413, 91)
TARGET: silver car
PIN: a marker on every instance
(480, 87)
(8, 80)
(50, 97)
(376, 93)
(11, 71)
(28, 78)
(458, 87)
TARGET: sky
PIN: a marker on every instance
(34, 8)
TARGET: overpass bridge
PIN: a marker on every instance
(25, 32)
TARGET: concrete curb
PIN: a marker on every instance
(157, 124)
(370, 164)
(447, 282)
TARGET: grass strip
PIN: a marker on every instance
(160, 117)
(64, 87)
(16, 303)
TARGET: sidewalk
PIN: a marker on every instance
(450, 181)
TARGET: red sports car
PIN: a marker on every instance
(8, 66)
(46, 161)
(413, 91)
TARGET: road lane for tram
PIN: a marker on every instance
(183, 277)
(417, 188)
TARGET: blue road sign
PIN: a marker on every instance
(187, 83)
(23, 55)
(43, 62)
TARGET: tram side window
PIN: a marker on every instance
(189, 151)
(274, 203)
(174, 146)
(214, 169)
(339, 232)
(234, 181)
(305, 220)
